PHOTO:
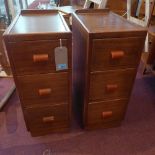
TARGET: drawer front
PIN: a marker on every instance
(116, 53)
(47, 117)
(111, 84)
(43, 89)
(36, 56)
(100, 113)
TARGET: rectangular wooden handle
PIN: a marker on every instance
(111, 87)
(44, 92)
(40, 57)
(117, 54)
(107, 114)
(48, 119)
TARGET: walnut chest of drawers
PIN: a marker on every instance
(44, 91)
(106, 53)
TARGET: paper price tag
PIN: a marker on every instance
(61, 58)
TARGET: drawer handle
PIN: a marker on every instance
(111, 87)
(44, 92)
(40, 57)
(117, 54)
(107, 114)
(48, 119)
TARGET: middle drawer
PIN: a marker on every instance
(44, 89)
(111, 84)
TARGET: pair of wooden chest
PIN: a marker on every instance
(106, 52)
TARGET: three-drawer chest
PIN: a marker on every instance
(39, 46)
(106, 53)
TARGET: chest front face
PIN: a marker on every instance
(109, 60)
(42, 73)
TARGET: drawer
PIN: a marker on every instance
(32, 57)
(116, 53)
(100, 113)
(111, 84)
(47, 118)
(43, 89)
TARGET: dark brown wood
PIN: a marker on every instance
(45, 93)
(45, 31)
(103, 49)
(44, 118)
(113, 25)
(120, 79)
(119, 6)
(100, 113)
(106, 53)
(151, 55)
(35, 17)
(79, 69)
(38, 57)
(45, 89)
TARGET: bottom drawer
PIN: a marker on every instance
(47, 119)
(105, 113)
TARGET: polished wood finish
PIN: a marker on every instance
(151, 54)
(119, 80)
(35, 17)
(106, 53)
(47, 118)
(36, 58)
(113, 25)
(119, 6)
(100, 113)
(45, 93)
(45, 89)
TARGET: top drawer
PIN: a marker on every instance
(116, 53)
(32, 57)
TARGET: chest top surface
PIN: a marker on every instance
(105, 21)
(39, 21)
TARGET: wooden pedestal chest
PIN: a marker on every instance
(106, 53)
(42, 73)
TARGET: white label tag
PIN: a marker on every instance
(61, 58)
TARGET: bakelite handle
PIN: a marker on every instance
(107, 114)
(48, 119)
(44, 92)
(40, 57)
(117, 54)
(111, 87)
